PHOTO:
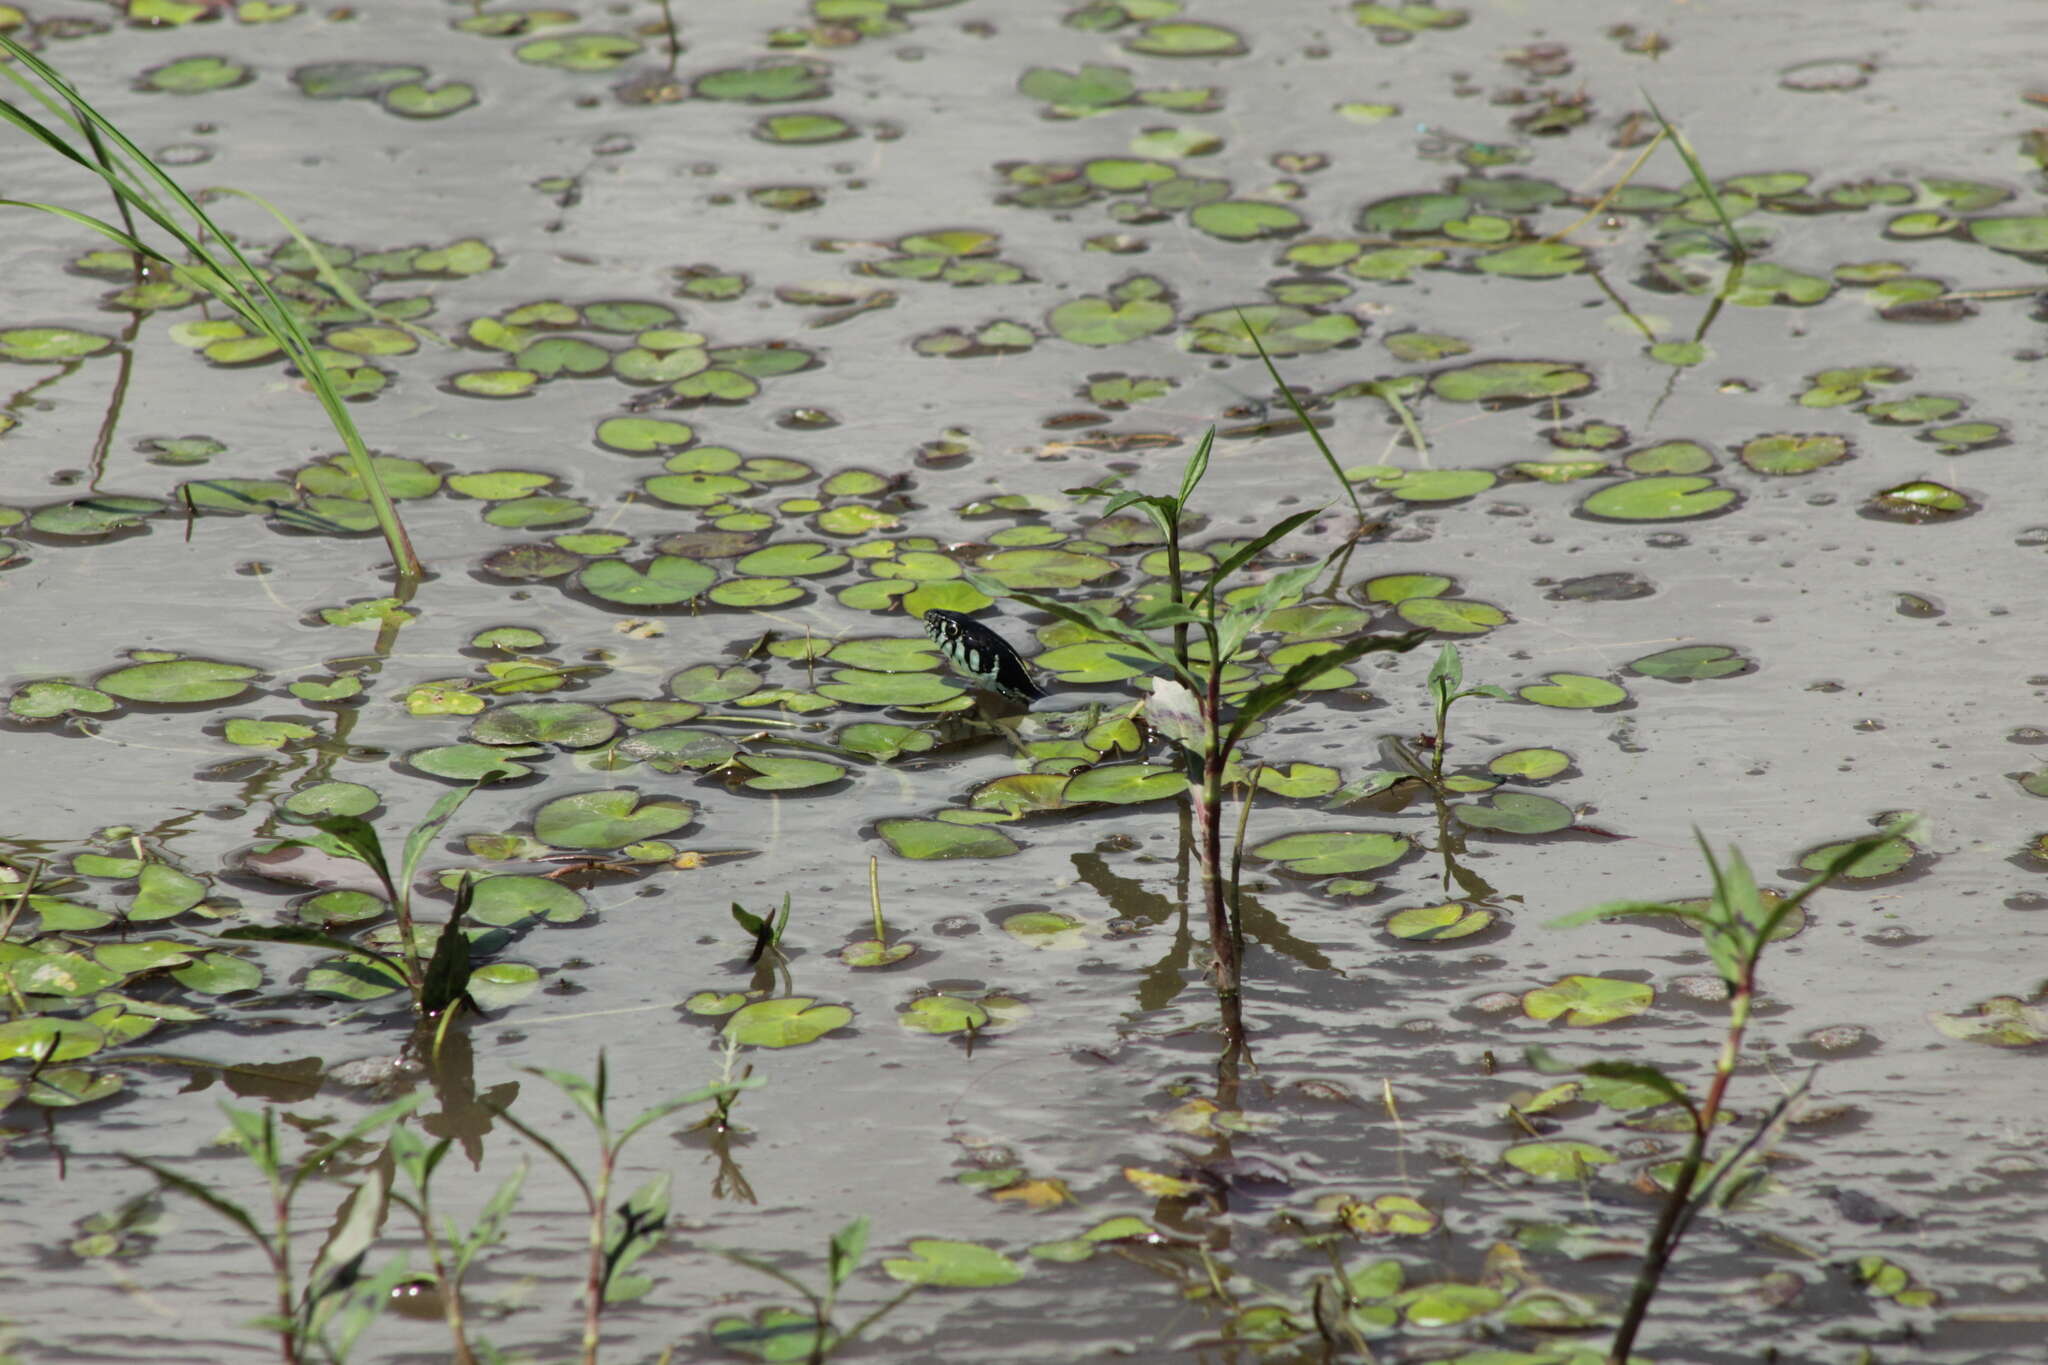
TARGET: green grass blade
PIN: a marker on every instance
(1699, 179)
(1295, 404)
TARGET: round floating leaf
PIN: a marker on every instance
(569, 724)
(1180, 38)
(942, 1014)
(1244, 220)
(1506, 381)
(36, 345)
(1437, 485)
(610, 818)
(40, 1038)
(1300, 781)
(1124, 784)
(1516, 813)
(930, 839)
(668, 580)
(579, 51)
(1035, 569)
(769, 82)
(178, 682)
(1438, 923)
(863, 687)
(43, 700)
(416, 99)
(494, 383)
(793, 559)
(710, 685)
(1669, 457)
(1451, 615)
(1587, 1000)
(1098, 320)
(641, 435)
(1662, 498)
(1282, 328)
(803, 129)
(2023, 235)
(1557, 1160)
(776, 773)
(89, 517)
(2002, 1021)
(510, 900)
(1531, 765)
(757, 593)
(887, 654)
(1021, 793)
(353, 80)
(878, 740)
(1886, 859)
(552, 356)
(1426, 212)
(1533, 260)
(674, 750)
(1789, 454)
(1327, 852)
(1690, 662)
(218, 974)
(195, 76)
(958, 1265)
(790, 1021)
(1573, 691)
(1395, 588)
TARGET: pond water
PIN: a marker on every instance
(702, 374)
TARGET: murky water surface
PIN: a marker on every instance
(847, 297)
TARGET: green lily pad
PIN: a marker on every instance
(1584, 1001)
(87, 518)
(943, 1014)
(1124, 784)
(46, 1038)
(1036, 569)
(1574, 691)
(931, 839)
(178, 682)
(2024, 235)
(709, 685)
(677, 749)
(803, 129)
(774, 773)
(1452, 615)
(417, 99)
(1075, 93)
(353, 80)
(790, 1021)
(766, 82)
(568, 724)
(1531, 765)
(668, 580)
(1669, 457)
(1418, 213)
(1957, 437)
(1510, 381)
(322, 799)
(1688, 663)
(1887, 859)
(777, 1336)
(1328, 852)
(1395, 264)
(793, 559)
(1396, 588)
(1437, 485)
(1516, 813)
(1533, 260)
(1137, 307)
(957, 1265)
(863, 687)
(1283, 329)
(1245, 220)
(195, 76)
(882, 741)
(2002, 1021)
(609, 818)
(1300, 781)
(516, 899)
(494, 383)
(1661, 498)
(1793, 454)
(644, 435)
(1182, 38)
(1557, 1161)
(579, 51)
(50, 698)
(1438, 923)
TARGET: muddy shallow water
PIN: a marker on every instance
(1889, 664)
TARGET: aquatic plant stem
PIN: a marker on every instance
(1209, 852)
(1671, 1222)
